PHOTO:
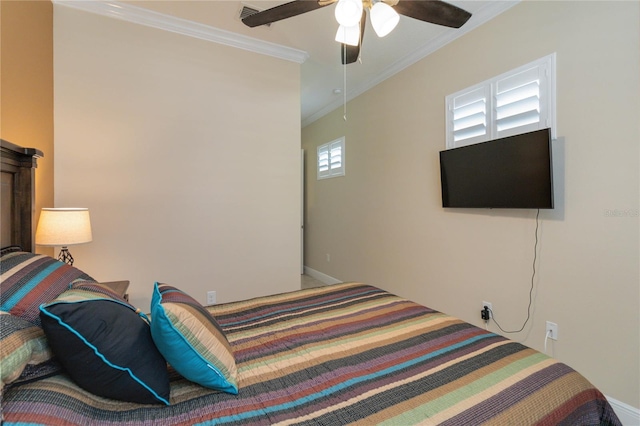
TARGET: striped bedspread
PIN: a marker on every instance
(348, 353)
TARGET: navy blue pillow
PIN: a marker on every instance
(105, 346)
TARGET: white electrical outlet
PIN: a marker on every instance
(552, 330)
(328, 257)
(488, 305)
(211, 298)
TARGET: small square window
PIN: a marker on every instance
(331, 159)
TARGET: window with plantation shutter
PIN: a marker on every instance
(331, 159)
(519, 101)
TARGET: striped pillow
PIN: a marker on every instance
(28, 280)
(191, 340)
(21, 344)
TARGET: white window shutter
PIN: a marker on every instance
(519, 101)
(336, 156)
(323, 161)
(468, 119)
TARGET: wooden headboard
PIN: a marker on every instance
(17, 167)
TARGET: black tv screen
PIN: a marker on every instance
(512, 172)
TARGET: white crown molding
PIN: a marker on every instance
(149, 18)
(491, 10)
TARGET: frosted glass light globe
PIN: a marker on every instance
(383, 18)
(348, 12)
(349, 35)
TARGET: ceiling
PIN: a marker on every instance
(322, 75)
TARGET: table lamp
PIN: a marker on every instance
(63, 227)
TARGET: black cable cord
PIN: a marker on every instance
(535, 256)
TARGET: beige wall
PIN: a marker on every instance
(383, 222)
(26, 86)
(187, 154)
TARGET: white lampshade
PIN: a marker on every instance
(63, 227)
(349, 35)
(349, 12)
(383, 18)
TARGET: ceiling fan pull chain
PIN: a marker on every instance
(344, 86)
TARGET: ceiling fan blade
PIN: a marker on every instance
(433, 11)
(349, 53)
(284, 11)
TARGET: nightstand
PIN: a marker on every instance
(120, 287)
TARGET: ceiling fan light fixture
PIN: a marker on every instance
(348, 35)
(348, 12)
(383, 18)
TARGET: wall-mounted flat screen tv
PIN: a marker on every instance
(513, 172)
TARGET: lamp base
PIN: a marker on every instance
(65, 256)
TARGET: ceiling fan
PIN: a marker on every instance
(351, 15)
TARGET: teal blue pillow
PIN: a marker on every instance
(191, 340)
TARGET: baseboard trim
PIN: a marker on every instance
(628, 415)
(327, 279)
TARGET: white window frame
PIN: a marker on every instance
(331, 159)
(482, 105)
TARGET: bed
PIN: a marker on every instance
(333, 355)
